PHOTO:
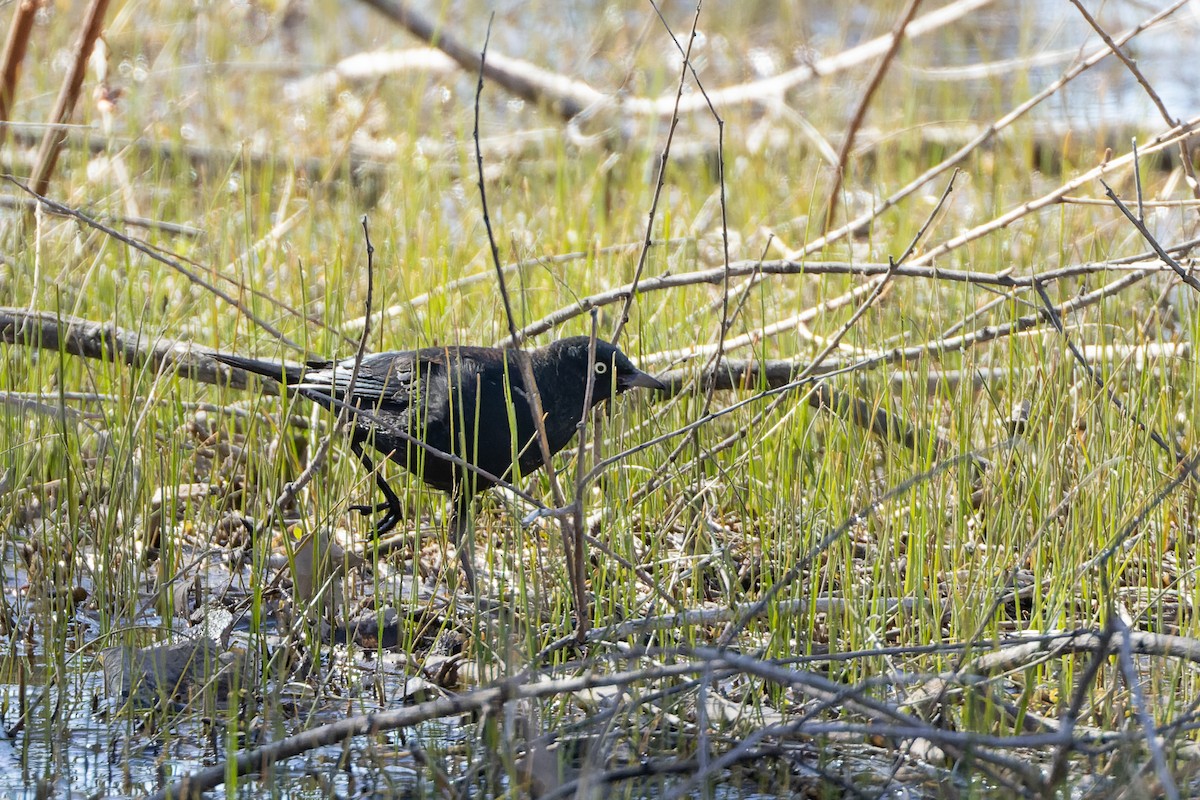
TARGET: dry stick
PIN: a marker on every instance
(88, 339)
(726, 321)
(15, 46)
(986, 334)
(1185, 154)
(574, 544)
(1185, 275)
(1058, 768)
(867, 511)
(663, 160)
(175, 228)
(96, 340)
(1096, 201)
(64, 106)
(568, 98)
(787, 267)
(1134, 685)
(831, 694)
(1154, 435)
(989, 132)
(824, 396)
(518, 267)
(201, 158)
(155, 255)
(1023, 650)
(618, 559)
(568, 529)
(1163, 140)
(564, 97)
(702, 702)
(344, 412)
(487, 221)
(1137, 179)
(860, 112)
(498, 696)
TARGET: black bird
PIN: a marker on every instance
(458, 400)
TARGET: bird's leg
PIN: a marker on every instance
(391, 502)
(462, 528)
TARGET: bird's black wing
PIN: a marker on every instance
(381, 377)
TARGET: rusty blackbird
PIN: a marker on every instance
(468, 402)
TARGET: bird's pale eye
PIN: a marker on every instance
(601, 368)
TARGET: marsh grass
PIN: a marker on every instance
(929, 581)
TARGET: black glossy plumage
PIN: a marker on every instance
(459, 400)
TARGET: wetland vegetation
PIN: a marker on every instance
(917, 515)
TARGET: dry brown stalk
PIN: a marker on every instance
(15, 46)
(64, 106)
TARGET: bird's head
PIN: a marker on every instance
(612, 372)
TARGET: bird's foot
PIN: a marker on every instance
(367, 511)
(386, 523)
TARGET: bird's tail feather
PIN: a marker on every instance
(282, 371)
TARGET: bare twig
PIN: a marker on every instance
(663, 160)
(1184, 147)
(568, 98)
(864, 103)
(487, 220)
(570, 535)
(1133, 682)
(1184, 275)
(155, 255)
(175, 228)
(68, 95)
(960, 155)
(345, 411)
(782, 268)
(15, 45)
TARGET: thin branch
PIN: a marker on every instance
(568, 98)
(860, 113)
(663, 160)
(1133, 682)
(1184, 275)
(526, 369)
(141, 247)
(15, 45)
(964, 152)
(68, 95)
(292, 488)
(1184, 148)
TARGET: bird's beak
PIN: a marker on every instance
(637, 378)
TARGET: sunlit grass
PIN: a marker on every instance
(720, 530)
